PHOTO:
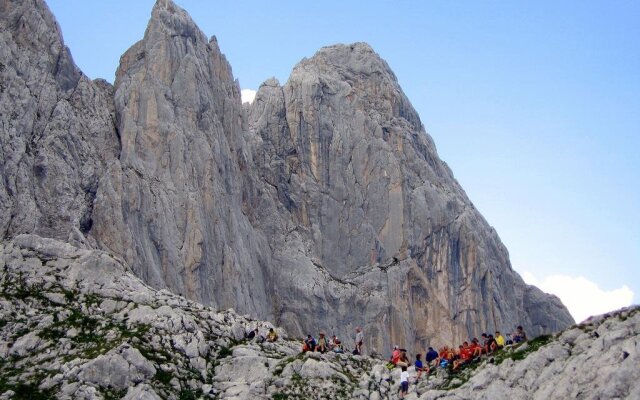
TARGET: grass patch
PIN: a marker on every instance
(114, 394)
(224, 352)
(163, 377)
(533, 346)
(156, 356)
(70, 295)
(51, 333)
(26, 391)
(188, 394)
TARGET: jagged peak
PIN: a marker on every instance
(359, 58)
(353, 47)
(169, 18)
(271, 82)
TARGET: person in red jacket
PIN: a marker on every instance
(465, 353)
(395, 356)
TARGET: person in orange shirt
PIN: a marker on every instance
(476, 349)
(444, 353)
(466, 355)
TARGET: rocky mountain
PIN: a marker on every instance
(57, 134)
(323, 205)
(78, 324)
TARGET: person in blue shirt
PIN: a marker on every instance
(419, 367)
(431, 356)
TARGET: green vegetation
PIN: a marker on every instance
(26, 391)
(163, 377)
(533, 346)
(17, 288)
(114, 394)
(187, 394)
(224, 352)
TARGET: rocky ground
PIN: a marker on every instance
(77, 324)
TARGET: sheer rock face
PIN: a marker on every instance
(323, 205)
(176, 205)
(57, 131)
(398, 246)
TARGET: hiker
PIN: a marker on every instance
(431, 356)
(476, 349)
(309, 344)
(335, 345)
(509, 341)
(322, 343)
(420, 367)
(485, 343)
(331, 343)
(500, 340)
(404, 360)
(395, 356)
(493, 345)
(465, 356)
(404, 382)
(445, 354)
(272, 336)
(359, 341)
(252, 334)
(519, 335)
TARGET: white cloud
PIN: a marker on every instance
(247, 95)
(582, 297)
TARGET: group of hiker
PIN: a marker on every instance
(447, 356)
(464, 354)
(334, 344)
(255, 334)
(321, 345)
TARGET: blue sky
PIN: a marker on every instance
(535, 107)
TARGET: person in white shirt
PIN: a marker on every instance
(359, 340)
(404, 382)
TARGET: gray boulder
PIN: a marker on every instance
(120, 368)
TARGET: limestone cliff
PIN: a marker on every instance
(174, 205)
(385, 223)
(57, 130)
(324, 205)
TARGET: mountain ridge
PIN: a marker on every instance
(323, 205)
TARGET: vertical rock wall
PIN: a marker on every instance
(406, 253)
(56, 128)
(176, 205)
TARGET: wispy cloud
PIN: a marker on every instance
(247, 95)
(582, 297)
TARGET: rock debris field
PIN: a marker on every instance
(77, 324)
